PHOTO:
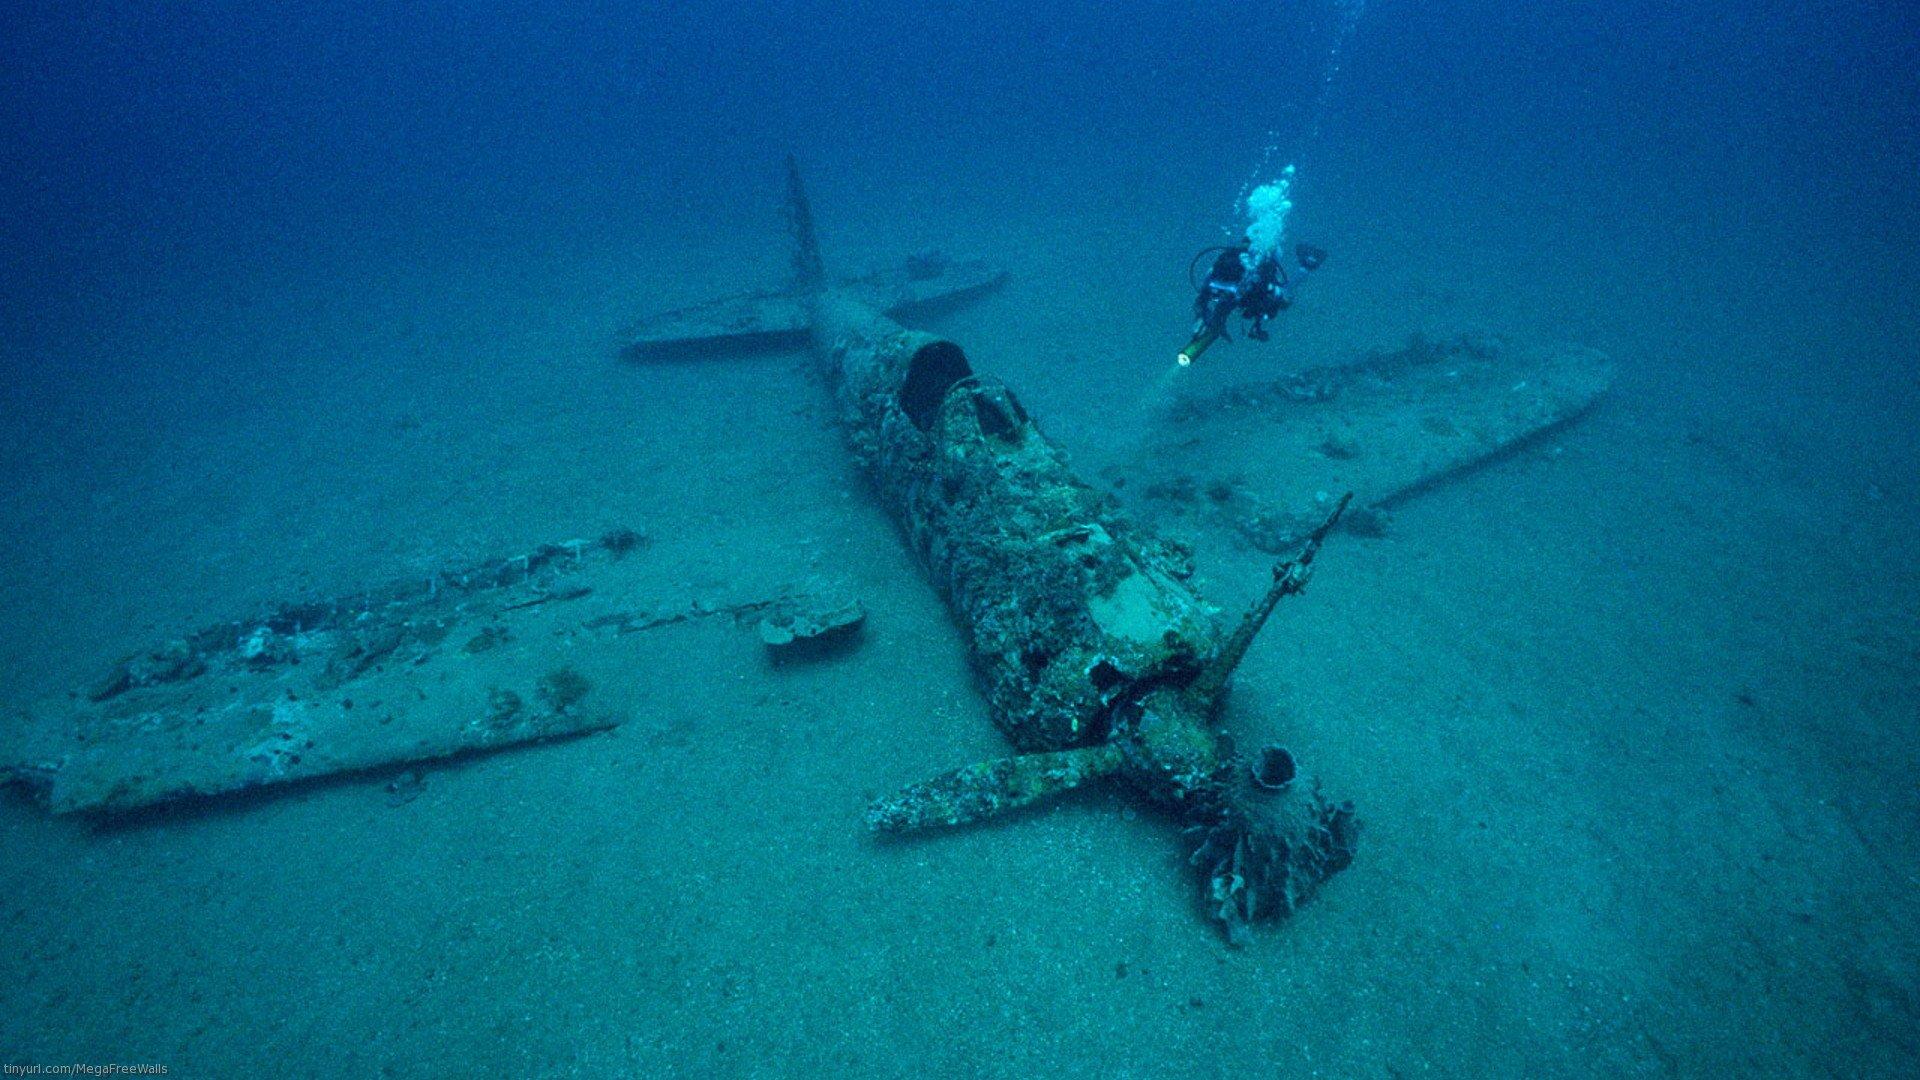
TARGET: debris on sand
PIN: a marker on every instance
(814, 612)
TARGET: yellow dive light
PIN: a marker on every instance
(1197, 346)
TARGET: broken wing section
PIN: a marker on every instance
(471, 659)
(458, 662)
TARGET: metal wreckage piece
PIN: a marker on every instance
(472, 659)
(1098, 657)
(413, 671)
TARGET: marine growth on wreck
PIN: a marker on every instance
(1097, 655)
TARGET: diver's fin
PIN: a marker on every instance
(979, 791)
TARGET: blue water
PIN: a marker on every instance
(297, 298)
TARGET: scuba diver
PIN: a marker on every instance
(1258, 288)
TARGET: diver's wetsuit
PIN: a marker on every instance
(1229, 287)
(1258, 293)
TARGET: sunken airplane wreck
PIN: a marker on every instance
(1098, 657)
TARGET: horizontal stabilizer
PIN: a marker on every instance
(921, 288)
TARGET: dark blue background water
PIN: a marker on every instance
(154, 139)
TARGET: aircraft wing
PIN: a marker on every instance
(1267, 459)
